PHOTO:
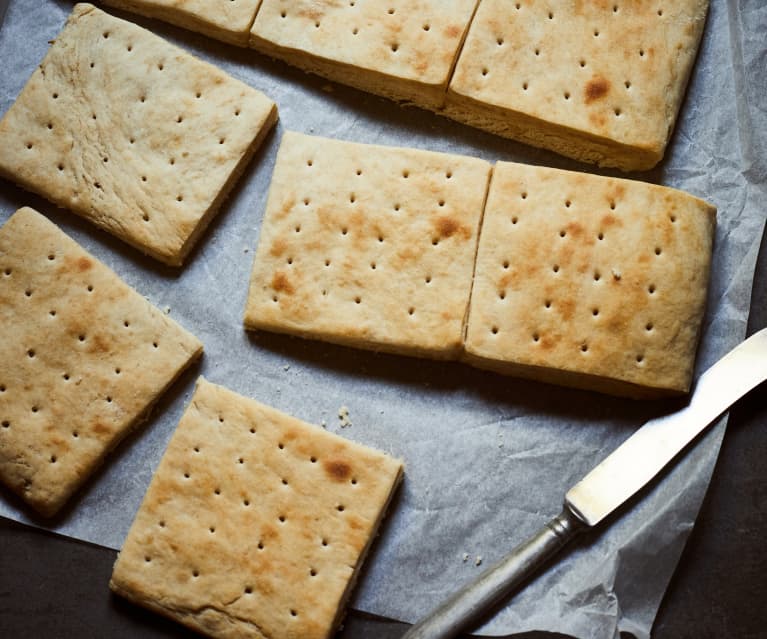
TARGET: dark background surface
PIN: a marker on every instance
(51, 586)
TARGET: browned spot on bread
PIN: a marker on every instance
(406, 254)
(83, 264)
(97, 344)
(337, 470)
(355, 523)
(287, 206)
(269, 532)
(596, 88)
(549, 341)
(61, 445)
(452, 31)
(281, 283)
(609, 220)
(264, 567)
(597, 119)
(509, 280)
(311, 13)
(326, 216)
(279, 246)
(100, 429)
(574, 229)
(566, 308)
(446, 226)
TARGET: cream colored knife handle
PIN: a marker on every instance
(468, 607)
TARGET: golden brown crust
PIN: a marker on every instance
(589, 281)
(597, 81)
(368, 246)
(255, 523)
(131, 133)
(83, 357)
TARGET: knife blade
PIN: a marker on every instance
(608, 486)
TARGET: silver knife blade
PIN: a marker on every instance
(622, 474)
(643, 455)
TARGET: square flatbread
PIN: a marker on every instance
(597, 81)
(83, 357)
(401, 49)
(227, 20)
(591, 282)
(368, 246)
(132, 133)
(255, 523)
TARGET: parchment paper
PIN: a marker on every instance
(488, 458)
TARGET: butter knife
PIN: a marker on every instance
(614, 481)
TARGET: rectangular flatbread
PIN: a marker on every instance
(227, 20)
(255, 523)
(132, 133)
(402, 49)
(600, 82)
(368, 246)
(83, 358)
(592, 282)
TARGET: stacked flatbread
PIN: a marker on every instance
(600, 82)
(255, 523)
(581, 280)
(83, 358)
(132, 133)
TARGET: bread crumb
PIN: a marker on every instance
(343, 415)
(478, 560)
(324, 424)
(167, 310)
(286, 367)
(465, 557)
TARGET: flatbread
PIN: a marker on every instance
(368, 246)
(227, 20)
(255, 523)
(591, 282)
(132, 133)
(83, 357)
(597, 81)
(402, 49)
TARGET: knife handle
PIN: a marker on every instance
(467, 607)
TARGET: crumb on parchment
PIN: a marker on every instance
(343, 415)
